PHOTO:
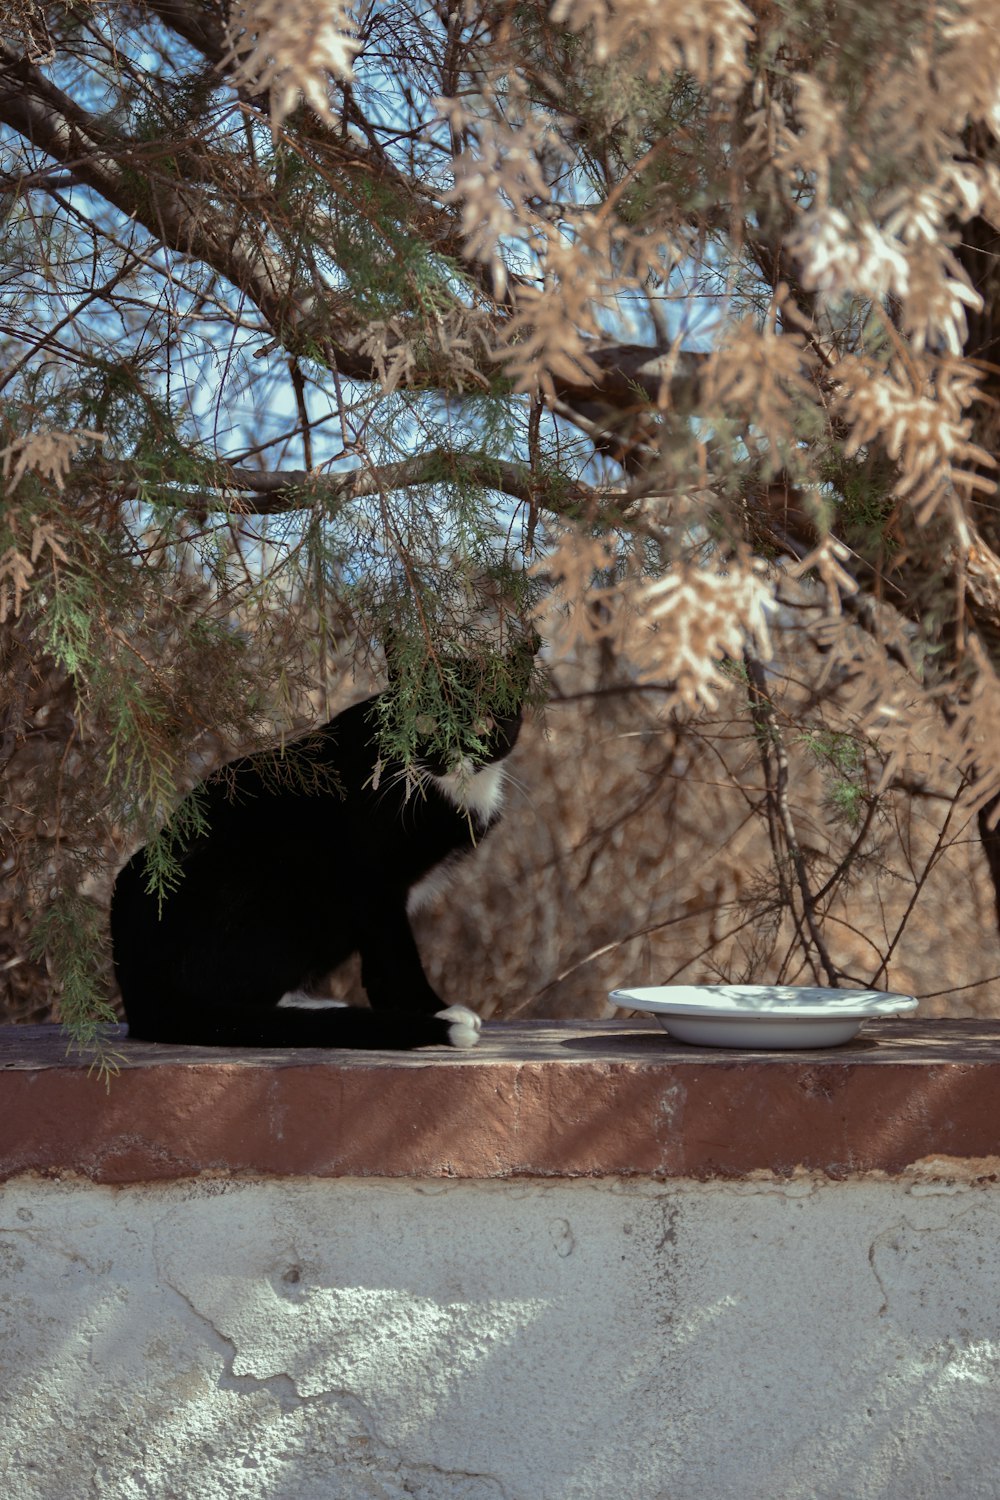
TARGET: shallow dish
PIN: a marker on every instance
(762, 1016)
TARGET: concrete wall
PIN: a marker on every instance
(346, 1339)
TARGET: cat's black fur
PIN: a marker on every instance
(299, 869)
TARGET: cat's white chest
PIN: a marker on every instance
(477, 792)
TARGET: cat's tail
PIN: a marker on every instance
(231, 1025)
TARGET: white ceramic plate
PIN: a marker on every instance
(762, 1016)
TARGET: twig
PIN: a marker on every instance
(918, 886)
(779, 816)
(299, 387)
(844, 865)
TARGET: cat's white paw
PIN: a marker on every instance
(464, 1025)
(301, 1000)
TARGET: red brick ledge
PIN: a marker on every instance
(535, 1099)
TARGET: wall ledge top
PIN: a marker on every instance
(562, 1099)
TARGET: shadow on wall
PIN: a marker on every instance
(303, 1339)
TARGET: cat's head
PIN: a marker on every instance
(467, 710)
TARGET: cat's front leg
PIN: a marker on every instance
(391, 971)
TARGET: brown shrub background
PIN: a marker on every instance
(633, 851)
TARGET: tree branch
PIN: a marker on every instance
(280, 492)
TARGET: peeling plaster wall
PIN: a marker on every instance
(346, 1339)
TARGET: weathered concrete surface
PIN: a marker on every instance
(335, 1339)
(535, 1099)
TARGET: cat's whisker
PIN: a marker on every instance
(519, 786)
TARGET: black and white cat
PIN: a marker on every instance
(295, 873)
